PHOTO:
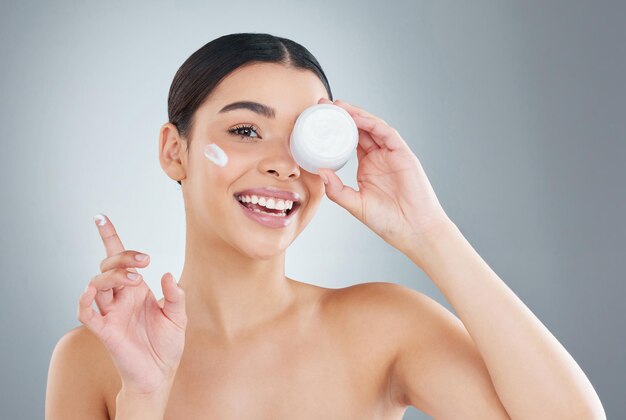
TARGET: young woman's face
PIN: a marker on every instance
(257, 157)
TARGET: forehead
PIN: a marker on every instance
(289, 91)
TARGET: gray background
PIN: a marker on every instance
(515, 109)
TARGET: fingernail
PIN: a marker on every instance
(100, 219)
(140, 257)
(132, 276)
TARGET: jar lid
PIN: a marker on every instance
(324, 135)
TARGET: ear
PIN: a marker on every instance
(172, 152)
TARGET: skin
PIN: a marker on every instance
(259, 344)
(236, 338)
(234, 271)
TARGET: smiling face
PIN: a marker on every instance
(257, 146)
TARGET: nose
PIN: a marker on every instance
(280, 162)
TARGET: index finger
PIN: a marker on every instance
(365, 140)
(112, 242)
(355, 110)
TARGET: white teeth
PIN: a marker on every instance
(269, 202)
(271, 214)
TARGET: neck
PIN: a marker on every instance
(228, 292)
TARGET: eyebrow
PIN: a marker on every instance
(260, 109)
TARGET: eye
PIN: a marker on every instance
(243, 128)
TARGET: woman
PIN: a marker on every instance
(237, 339)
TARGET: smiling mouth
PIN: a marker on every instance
(264, 210)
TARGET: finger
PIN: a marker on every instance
(366, 142)
(352, 109)
(108, 287)
(112, 245)
(112, 242)
(92, 320)
(364, 138)
(116, 277)
(104, 301)
(382, 134)
(344, 195)
(360, 153)
(173, 301)
(355, 111)
(125, 259)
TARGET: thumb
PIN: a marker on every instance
(173, 301)
(347, 197)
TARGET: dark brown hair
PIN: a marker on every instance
(207, 67)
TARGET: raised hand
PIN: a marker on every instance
(144, 340)
(395, 198)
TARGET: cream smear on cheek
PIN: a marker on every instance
(215, 154)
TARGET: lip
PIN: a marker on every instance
(267, 220)
(271, 192)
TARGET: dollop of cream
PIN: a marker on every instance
(215, 154)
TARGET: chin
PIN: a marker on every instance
(263, 250)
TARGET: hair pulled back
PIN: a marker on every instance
(198, 76)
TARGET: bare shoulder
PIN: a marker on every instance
(435, 365)
(375, 309)
(385, 303)
(377, 318)
(389, 311)
(80, 365)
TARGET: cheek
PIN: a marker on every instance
(218, 168)
(216, 155)
(226, 155)
(315, 188)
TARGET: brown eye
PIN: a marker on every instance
(243, 130)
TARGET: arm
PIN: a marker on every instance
(533, 375)
(436, 366)
(134, 406)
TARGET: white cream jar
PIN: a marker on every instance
(324, 136)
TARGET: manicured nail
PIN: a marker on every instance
(140, 257)
(100, 219)
(324, 177)
(132, 276)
